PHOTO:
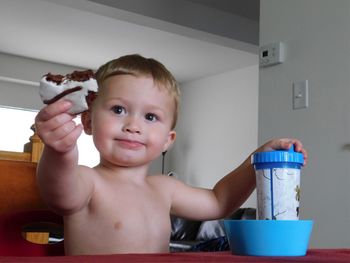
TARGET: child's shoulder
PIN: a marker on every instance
(87, 171)
(166, 183)
(162, 180)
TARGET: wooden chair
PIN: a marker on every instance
(24, 217)
(31, 150)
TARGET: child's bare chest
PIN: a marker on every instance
(132, 208)
(128, 217)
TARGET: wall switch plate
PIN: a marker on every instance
(272, 54)
(300, 94)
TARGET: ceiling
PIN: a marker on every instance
(191, 37)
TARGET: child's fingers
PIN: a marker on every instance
(280, 144)
(298, 147)
(52, 110)
(56, 127)
(285, 144)
(69, 141)
(52, 117)
(53, 128)
(61, 131)
(56, 121)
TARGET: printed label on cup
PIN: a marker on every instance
(278, 193)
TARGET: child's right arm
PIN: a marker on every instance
(58, 174)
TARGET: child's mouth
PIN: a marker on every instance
(130, 144)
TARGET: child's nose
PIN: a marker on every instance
(132, 125)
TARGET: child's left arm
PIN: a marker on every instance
(230, 192)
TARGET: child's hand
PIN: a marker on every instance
(56, 127)
(284, 144)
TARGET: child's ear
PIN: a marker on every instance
(86, 121)
(170, 140)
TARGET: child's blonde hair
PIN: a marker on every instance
(140, 66)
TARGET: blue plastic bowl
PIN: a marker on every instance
(268, 237)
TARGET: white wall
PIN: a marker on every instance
(317, 35)
(217, 127)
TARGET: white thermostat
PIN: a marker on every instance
(272, 54)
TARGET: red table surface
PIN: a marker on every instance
(313, 255)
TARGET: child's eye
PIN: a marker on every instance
(151, 117)
(118, 109)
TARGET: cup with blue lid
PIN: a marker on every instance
(277, 230)
(278, 184)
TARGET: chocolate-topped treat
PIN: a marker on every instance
(77, 87)
(58, 79)
(81, 75)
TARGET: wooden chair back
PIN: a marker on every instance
(21, 205)
(31, 150)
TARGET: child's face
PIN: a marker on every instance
(131, 120)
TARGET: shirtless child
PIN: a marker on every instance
(116, 207)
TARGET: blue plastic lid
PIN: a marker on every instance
(281, 156)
